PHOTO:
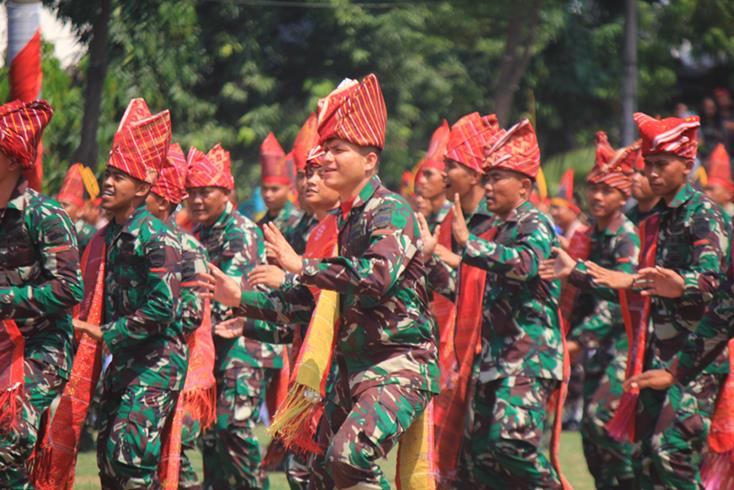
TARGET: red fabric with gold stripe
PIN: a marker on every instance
(209, 170)
(171, 183)
(515, 149)
(469, 138)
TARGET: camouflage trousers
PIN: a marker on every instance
(42, 384)
(359, 429)
(296, 471)
(672, 429)
(232, 457)
(502, 445)
(609, 460)
(131, 436)
(190, 432)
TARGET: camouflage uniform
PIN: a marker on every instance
(149, 356)
(597, 325)
(84, 234)
(286, 220)
(301, 231)
(231, 451)
(672, 426)
(386, 350)
(194, 260)
(39, 282)
(435, 219)
(521, 362)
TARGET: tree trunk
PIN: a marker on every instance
(629, 80)
(521, 28)
(87, 151)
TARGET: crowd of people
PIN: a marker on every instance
(445, 324)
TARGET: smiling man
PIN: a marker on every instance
(521, 359)
(141, 287)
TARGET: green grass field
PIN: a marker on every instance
(572, 461)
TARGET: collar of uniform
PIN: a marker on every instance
(614, 224)
(17, 197)
(132, 225)
(682, 197)
(519, 211)
(444, 211)
(224, 217)
(360, 199)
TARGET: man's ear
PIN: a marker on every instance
(142, 189)
(476, 177)
(372, 162)
(527, 187)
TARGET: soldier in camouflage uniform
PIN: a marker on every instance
(40, 282)
(385, 351)
(276, 188)
(142, 280)
(232, 456)
(692, 245)
(596, 320)
(521, 361)
(162, 201)
(71, 197)
(430, 184)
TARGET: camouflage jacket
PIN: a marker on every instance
(235, 245)
(442, 278)
(286, 220)
(194, 261)
(301, 232)
(693, 241)
(386, 334)
(521, 334)
(142, 290)
(435, 219)
(39, 275)
(596, 321)
(84, 234)
(636, 216)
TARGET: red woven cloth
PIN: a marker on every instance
(21, 127)
(273, 168)
(171, 183)
(671, 135)
(720, 168)
(307, 138)
(212, 170)
(469, 137)
(612, 167)
(355, 112)
(515, 149)
(72, 189)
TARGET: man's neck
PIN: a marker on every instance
(321, 212)
(470, 200)
(647, 204)
(273, 213)
(602, 223)
(437, 202)
(121, 217)
(352, 192)
(504, 216)
(668, 198)
(7, 186)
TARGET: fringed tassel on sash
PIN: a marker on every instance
(55, 459)
(12, 378)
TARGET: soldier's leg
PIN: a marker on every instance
(508, 444)
(41, 385)
(648, 410)
(187, 477)
(296, 471)
(680, 434)
(379, 417)
(609, 461)
(231, 451)
(129, 445)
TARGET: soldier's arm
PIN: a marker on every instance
(709, 338)
(55, 238)
(393, 234)
(286, 305)
(710, 241)
(441, 278)
(160, 292)
(625, 253)
(596, 327)
(191, 305)
(520, 261)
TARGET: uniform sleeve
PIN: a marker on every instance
(520, 261)
(285, 305)
(710, 237)
(161, 290)
(191, 306)
(441, 278)
(625, 254)
(709, 338)
(393, 244)
(61, 285)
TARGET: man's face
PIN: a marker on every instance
(563, 216)
(504, 190)
(317, 194)
(604, 200)
(157, 206)
(459, 179)
(641, 187)
(345, 165)
(719, 193)
(275, 195)
(666, 173)
(71, 209)
(430, 183)
(206, 204)
(119, 190)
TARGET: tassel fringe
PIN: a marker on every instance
(294, 420)
(622, 425)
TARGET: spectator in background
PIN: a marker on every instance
(712, 132)
(725, 109)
